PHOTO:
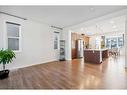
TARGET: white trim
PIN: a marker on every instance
(13, 37)
(6, 37)
(57, 33)
(33, 64)
(101, 56)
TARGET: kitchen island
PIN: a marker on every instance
(95, 55)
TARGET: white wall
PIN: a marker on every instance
(125, 43)
(37, 43)
(1, 39)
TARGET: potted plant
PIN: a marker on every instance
(6, 57)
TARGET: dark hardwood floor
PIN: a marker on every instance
(75, 74)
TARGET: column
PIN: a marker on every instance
(125, 42)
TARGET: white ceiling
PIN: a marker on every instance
(61, 16)
(110, 26)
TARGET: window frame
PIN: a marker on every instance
(19, 38)
(110, 47)
(58, 42)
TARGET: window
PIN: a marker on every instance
(13, 36)
(120, 41)
(114, 42)
(56, 40)
(108, 43)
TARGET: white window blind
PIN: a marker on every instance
(13, 36)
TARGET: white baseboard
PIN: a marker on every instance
(23, 66)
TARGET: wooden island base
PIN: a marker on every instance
(95, 55)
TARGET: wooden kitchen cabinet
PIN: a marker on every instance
(73, 45)
(74, 38)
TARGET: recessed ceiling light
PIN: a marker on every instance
(91, 8)
(82, 29)
(112, 22)
(114, 26)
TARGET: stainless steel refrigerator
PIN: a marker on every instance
(80, 48)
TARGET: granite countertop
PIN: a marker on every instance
(96, 49)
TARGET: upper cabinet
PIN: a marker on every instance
(86, 41)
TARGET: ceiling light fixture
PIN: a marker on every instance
(112, 22)
(82, 29)
(114, 26)
(91, 8)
